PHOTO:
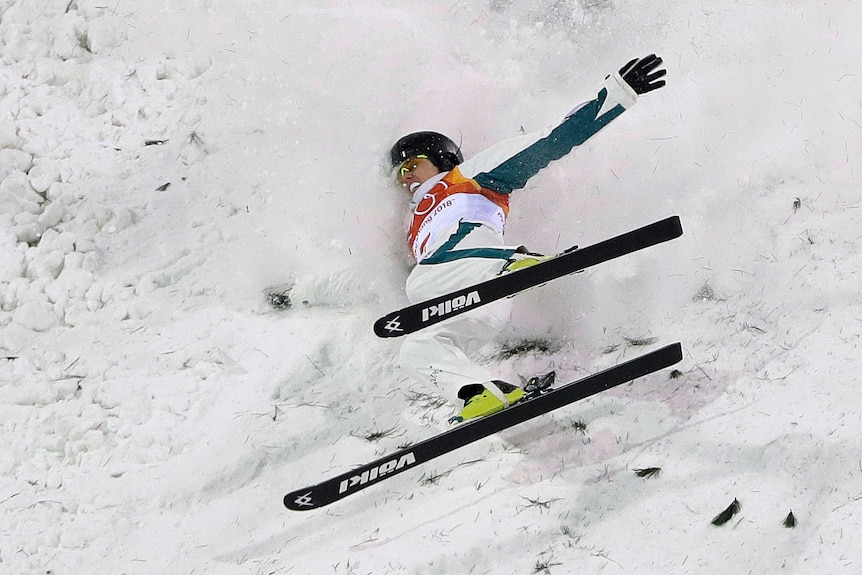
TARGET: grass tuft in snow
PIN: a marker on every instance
(544, 566)
(374, 434)
(570, 534)
(727, 514)
(527, 346)
(704, 293)
(648, 472)
(424, 401)
(630, 342)
(578, 425)
(433, 478)
(84, 41)
(538, 503)
(640, 341)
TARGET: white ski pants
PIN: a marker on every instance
(440, 355)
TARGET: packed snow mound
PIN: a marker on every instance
(161, 164)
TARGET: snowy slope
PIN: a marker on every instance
(163, 162)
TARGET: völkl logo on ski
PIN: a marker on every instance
(393, 325)
(378, 471)
(305, 500)
(444, 308)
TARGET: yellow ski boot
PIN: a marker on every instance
(523, 260)
(484, 399)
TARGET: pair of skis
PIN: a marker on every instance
(419, 316)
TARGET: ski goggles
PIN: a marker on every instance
(409, 165)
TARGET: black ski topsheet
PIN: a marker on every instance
(417, 316)
(366, 475)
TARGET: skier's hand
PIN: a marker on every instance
(641, 74)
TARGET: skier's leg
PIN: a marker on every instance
(440, 355)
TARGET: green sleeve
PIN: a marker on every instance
(577, 128)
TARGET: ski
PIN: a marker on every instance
(348, 483)
(418, 316)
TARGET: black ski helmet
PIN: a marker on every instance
(443, 152)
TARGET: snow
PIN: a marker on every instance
(161, 163)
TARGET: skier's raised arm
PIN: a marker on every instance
(508, 165)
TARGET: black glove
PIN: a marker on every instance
(640, 76)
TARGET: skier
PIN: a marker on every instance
(459, 211)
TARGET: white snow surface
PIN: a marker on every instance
(162, 162)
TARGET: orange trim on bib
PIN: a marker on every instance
(451, 184)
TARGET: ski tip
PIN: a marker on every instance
(677, 225)
(671, 226)
(674, 351)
